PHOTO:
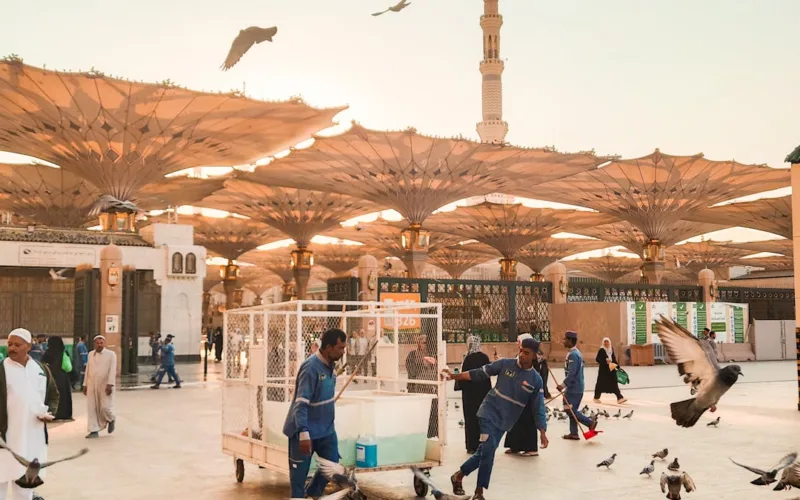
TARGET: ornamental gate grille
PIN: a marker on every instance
(31, 299)
(765, 303)
(592, 290)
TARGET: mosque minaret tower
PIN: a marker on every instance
(492, 129)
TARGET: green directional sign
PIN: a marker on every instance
(701, 317)
(641, 322)
(738, 324)
(682, 315)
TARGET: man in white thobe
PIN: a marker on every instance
(98, 387)
(28, 399)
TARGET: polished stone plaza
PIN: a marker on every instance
(168, 446)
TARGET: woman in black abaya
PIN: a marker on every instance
(54, 357)
(606, 377)
(473, 392)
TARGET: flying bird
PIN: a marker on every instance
(629, 415)
(713, 423)
(699, 367)
(394, 8)
(108, 203)
(790, 478)
(30, 479)
(649, 469)
(674, 466)
(674, 482)
(57, 275)
(661, 454)
(437, 493)
(341, 477)
(608, 462)
(244, 40)
(768, 476)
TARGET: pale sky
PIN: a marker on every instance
(619, 76)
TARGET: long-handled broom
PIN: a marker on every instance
(588, 434)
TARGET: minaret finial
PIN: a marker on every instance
(492, 129)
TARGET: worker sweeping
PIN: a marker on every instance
(573, 387)
(517, 383)
(309, 424)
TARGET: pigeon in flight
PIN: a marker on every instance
(57, 275)
(629, 415)
(649, 469)
(674, 465)
(394, 8)
(790, 478)
(437, 493)
(244, 40)
(30, 479)
(341, 477)
(674, 482)
(661, 454)
(699, 367)
(608, 462)
(108, 203)
(713, 423)
(768, 476)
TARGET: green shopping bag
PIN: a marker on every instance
(622, 376)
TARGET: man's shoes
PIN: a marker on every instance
(154, 386)
(571, 437)
(177, 386)
(111, 426)
(92, 435)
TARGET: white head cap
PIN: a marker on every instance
(99, 337)
(21, 333)
(524, 336)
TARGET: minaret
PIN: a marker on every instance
(492, 129)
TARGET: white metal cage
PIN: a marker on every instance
(265, 345)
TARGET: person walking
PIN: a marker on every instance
(98, 387)
(473, 392)
(28, 400)
(60, 366)
(362, 344)
(167, 364)
(607, 373)
(218, 342)
(421, 366)
(573, 386)
(80, 357)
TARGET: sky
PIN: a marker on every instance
(617, 76)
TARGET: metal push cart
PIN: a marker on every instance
(265, 345)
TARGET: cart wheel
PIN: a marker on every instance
(421, 487)
(239, 470)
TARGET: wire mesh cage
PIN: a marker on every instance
(394, 355)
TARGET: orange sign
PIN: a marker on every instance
(406, 323)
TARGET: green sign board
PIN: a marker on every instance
(738, 325)
(701, 317)
(682, 315)
(641, 322)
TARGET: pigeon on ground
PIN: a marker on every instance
(617, 415)
(629, 415)
(57, 275)
(461, 423)
(585, 409)
(437, 493)
(394, 8)
(674, 465)
(768, 476)
(674, 482)
(562, 416)
(608, 461)
(713, 423)
(790, 478)
(649, 469)
(698, 365)
(661, 454)
(457, 405)
(244, 40)
(30, 479)
(341, 477)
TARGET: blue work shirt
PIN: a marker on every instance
(514, 388)
(312, 410)
(573, 367)
(168, 355)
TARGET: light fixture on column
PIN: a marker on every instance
(536, 277)
(415, 238)
(653, 251)
(229, 272)
(508, 269)
(302, 258)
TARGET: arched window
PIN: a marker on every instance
(177, 263)
(191, 263)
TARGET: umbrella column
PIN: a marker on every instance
(653, 267)
(229, 275)
(302, 261)
(415, 242)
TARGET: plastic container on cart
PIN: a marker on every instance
(366, 452)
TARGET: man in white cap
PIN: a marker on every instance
(28, 399)
(98, 387)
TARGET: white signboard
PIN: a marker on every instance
(112, 323)
(719, 320)
(56, 255)
(630, 321)
(658, 309)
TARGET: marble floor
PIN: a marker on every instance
(167, 445)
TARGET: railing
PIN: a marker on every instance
(593, 290)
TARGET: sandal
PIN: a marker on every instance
(478, 496)
(571, 437)
(458, 488)
(529, 454)
(510, 452)
(622, 401)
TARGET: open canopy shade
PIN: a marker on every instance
(541, 253)
(456, 260)
(298, 213)
(413, 173)
(773, 215)
(122, 135)
(626, 234)
(783, 247)
(341, 258)
(713, 255)
(276, 261)
(657, 190)
(507, 228)
(773, 263)
(387, 238)
(608, 268)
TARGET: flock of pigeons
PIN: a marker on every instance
(253, 35)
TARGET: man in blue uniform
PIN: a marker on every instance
(309, 424)
(573, 387)
(517, 383)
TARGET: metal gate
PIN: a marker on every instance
(31, 299)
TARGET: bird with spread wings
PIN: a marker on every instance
(30, 479)
(244, 40)
(394, 8)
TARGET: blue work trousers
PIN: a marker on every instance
(483, 458)
(170, 370)
(574, 401)
(326, 447)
